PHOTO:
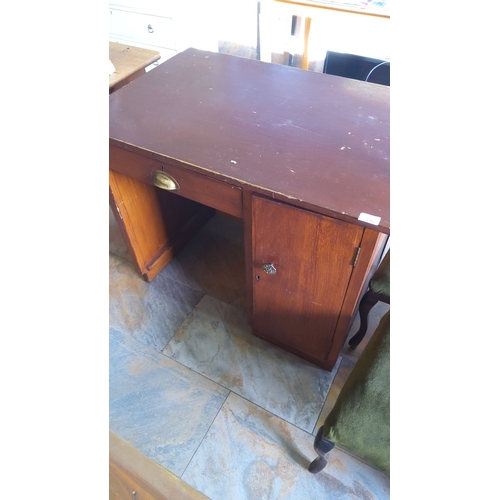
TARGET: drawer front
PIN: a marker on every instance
(189, 184)
(143, 28)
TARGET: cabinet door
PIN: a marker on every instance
(299, 301)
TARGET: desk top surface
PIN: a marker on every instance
(318, 139)
(127, 60)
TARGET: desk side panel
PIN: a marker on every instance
(153, 225)
(372, 247)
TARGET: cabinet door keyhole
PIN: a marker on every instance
(269, 268)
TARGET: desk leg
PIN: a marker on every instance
(153, 225)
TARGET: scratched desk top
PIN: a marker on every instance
(320, 139)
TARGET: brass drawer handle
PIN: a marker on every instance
(164, 181)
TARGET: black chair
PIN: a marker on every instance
(357, 67)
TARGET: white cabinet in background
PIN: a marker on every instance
(165, 26)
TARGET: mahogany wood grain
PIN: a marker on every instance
(297, 155)
(153, 228)
(195, 186)
(314, 255)
(317, 140)
(247, 233)
(372, 246)
(138, 216)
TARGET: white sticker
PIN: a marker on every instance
(371, 219)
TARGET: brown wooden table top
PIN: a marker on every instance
(318, 139)
(127, 60)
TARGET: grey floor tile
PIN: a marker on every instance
(165, 409)
(214, 261)
(116, 243)
(160, 407)
(150, 312)
(250, 454)
(217, 342)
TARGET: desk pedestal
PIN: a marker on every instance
(305, 271)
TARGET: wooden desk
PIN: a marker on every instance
(129, 62)
(296, 155)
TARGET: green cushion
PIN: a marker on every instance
(381, 280)
(359, 421)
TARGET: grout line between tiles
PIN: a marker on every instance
(185, 284)
(205, 435)
(252, 402)
(249, 400)
(273, 414)
(187, 316)
(231, 390)
(218, 412)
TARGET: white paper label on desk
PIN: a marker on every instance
(371, 219)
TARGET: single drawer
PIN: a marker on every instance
(186, 183)
(143, 28)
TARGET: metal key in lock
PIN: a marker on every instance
(269, 268)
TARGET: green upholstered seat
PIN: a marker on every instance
(360, 418)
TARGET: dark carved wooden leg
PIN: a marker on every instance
(322, 447)
(365, 306)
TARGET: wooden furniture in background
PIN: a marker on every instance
(298, 156)
(134, 476)
(129, 62)
(308, 10)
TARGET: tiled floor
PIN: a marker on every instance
(193, 389)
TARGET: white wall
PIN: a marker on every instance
(203, 24)
(330, 30)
